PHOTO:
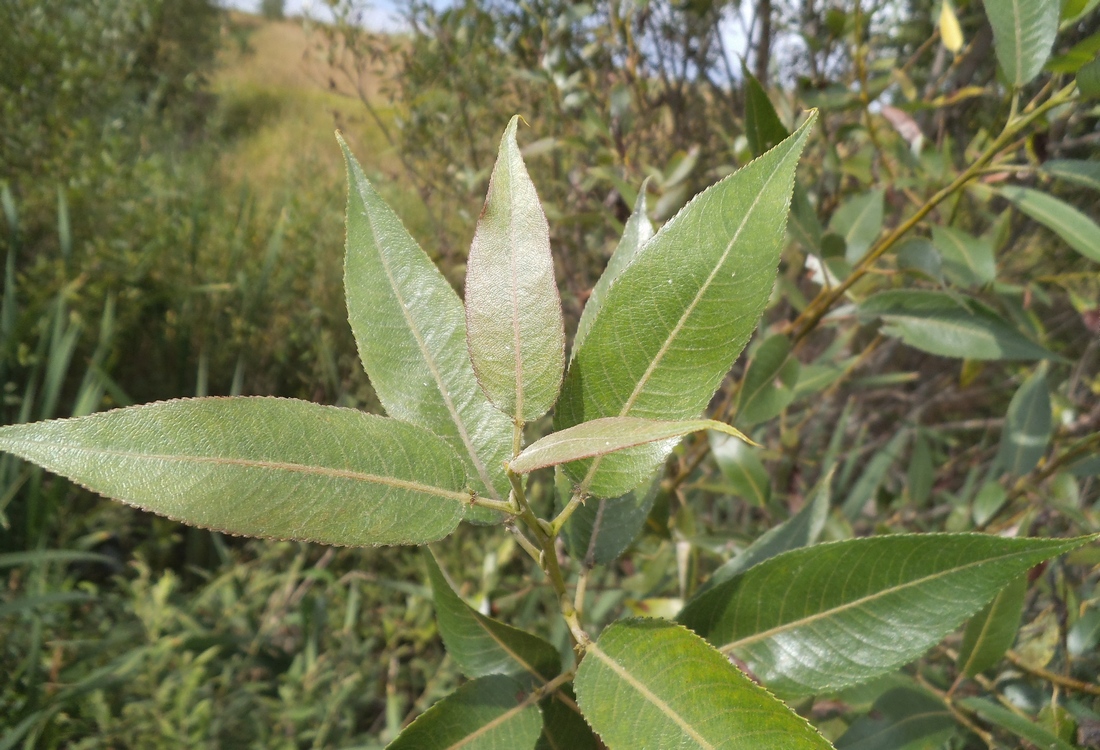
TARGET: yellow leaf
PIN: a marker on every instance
(950, 32)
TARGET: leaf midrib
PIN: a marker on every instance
(857, 223)
(506, 716)
(331, 473)
(481, 621)
(550, 454)
(517, 338)
(649, 695)
(956, 324)
(1032, 203)
(964, 250)
(429, 360)
(810, 619)
(1017, 42)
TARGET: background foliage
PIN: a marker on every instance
(174, 211)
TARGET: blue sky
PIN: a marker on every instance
(380, 16)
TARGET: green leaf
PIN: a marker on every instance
(601, 529)
(480, 645)
(1078, 56)
(989, 500)
(1074, 10)
(1023, 34)
(739, 464)
(852, 610)
(921, 473)
(21, 604)
(411, 333)
(800, 530)
(1015, 724)
(770, 379)
(804, 224)
(1084, 635)
(967, 260)
(1086, 467)
(649, 683)
(489, 713)
(514, 326)
(264, 467)
(601, 437)
(39, 556)
(859, 222)
(1026, 433)
(921, 256)
(636, 233)
(763, 130)
(677, 317)
(901, 719)
(1079, 231)
(866, 487)
(992, 631)
(949, 325)
(1077, 171)
(563, 727)
(1088, 79)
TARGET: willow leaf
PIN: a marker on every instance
(800, 530)
(992, 631)
(763, 130)
(563, 727)
(742, 469)
(859, 222)
(901, 719)
(768, 385)
(650, 683)
(601, 437)
(1079, 171)
(1079, 231)
(261, 467)
(949, 325)
(602, 528)
(1023, 34)
(481, 645)
(850, 611)
(636, 233)
(1016, 724)
(514, 326)
(411, 330)
(677, 317)
(968, 260)
(489, 713)
(1026, 434)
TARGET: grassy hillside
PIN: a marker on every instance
(280, 106)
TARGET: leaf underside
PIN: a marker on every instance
(514, 325)
(265, 467)
(410, 329)
(1023, 34)
(601, 437)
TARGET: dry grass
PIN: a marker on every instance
(282, 104)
